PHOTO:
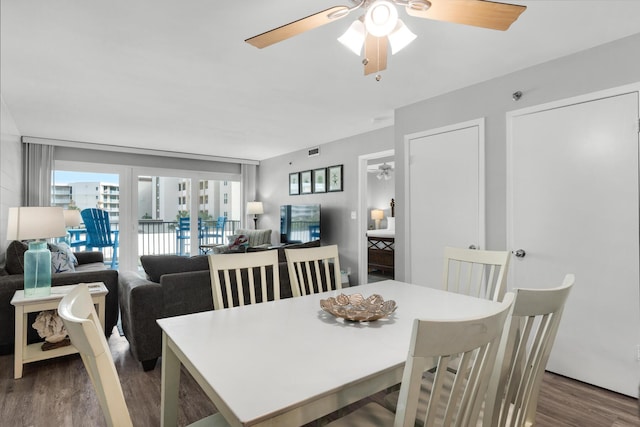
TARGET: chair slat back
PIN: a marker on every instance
(83, 326)
(313, 270)
(524, 353)
(456, 396)
(222, 220)
(96, 221)
(478, 273)
(232, 273)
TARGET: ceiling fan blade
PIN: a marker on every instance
(297, 27)
(479, 13)
(375, 53)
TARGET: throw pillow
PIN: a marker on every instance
(15, 257)
(65, 248)
(391, 223)
(61, 262)
(238, 243)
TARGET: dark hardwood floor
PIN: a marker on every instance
(58, 393)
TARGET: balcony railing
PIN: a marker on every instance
(157, 237)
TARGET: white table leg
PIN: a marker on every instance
(170, 385)
(20, 342)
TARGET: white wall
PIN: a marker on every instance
(611, 65)
(10, 171)
(337, 225)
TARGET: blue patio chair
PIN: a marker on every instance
(183, 233)
(215, 232)
(99, 232)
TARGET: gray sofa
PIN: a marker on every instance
(90, 268)
(173, 286)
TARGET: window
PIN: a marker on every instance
(225, 198)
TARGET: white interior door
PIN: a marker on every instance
(573, 208)
(445, 197)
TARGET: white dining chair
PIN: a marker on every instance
(456, 399)
(234, 274)
(524, 352)
(527, 340)
(313, 270)
(475, 272)
(83, 326)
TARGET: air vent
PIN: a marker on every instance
(314, 151)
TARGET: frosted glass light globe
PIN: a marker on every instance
(381, 18)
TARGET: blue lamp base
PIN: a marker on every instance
(37, 270)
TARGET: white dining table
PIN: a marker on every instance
(288, 362)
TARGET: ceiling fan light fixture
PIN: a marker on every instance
(419, 5)
(354, 37)
(381, 18)
(400, 37)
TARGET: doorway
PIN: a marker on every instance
(368, 201)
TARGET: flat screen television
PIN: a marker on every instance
(299, 223)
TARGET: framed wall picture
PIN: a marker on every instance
(294, 183)
(320, 180)
(335, 178)
(305, 182)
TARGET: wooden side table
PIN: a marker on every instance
(33, 352)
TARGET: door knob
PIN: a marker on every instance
(520, 253)
(473, 247)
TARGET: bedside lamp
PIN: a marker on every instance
(255, 209)
(36, 223)
(377, 215)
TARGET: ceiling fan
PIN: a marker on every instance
(383, 171)
(380, 26)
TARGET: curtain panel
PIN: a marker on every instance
(37, 162)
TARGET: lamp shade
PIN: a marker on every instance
(400, 37)
(72, 218)
(377, 214)
(354, 37)
(29, 223)
(255, 208)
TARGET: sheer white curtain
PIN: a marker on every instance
(37, 167)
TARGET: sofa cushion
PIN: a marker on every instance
(91, 266)
(15, 257)
(157, 265)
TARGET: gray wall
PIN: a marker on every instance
(607, 66)
(10, 171)
(337, 225)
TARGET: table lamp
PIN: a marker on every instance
(377, 215)
(36, 223)
(72, 219)
(255, 209)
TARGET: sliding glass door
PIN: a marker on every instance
(153, 211)
(184, 214)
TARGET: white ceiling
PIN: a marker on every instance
(177, 75)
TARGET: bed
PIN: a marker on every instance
(381, 246)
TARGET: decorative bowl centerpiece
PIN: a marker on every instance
(357, 308)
